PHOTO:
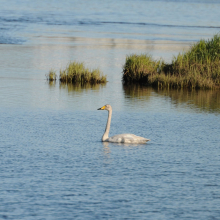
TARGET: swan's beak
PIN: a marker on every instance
(102, 108)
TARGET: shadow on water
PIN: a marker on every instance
(137, 91)
(52, 84)
(78, 87)
(202, 100)
(107, 146)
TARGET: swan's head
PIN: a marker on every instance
(105, 107)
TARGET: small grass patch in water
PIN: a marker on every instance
(51, 76)
(77, 73)
(197, 68)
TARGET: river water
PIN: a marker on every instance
(53, 164)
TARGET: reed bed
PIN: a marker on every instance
(197, 68)
(78, 73)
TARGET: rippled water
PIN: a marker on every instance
(52, 162)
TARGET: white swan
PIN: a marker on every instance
(120, 138)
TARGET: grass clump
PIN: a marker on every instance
(51, 76)
(139, 68)
(77, 73)
(197, 68)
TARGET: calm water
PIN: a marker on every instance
(52, 162)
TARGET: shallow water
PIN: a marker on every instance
(53, 164)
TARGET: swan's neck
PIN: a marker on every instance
(107, 129)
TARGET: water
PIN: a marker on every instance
(52, 162)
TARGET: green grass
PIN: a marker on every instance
(78, 73)
(197, 68)
(138, 68)
(51, 76)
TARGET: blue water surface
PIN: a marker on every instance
(53, 164)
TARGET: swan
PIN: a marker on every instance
(120, 138)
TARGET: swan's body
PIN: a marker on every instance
(120, 138)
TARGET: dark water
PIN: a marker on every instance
(52, 162)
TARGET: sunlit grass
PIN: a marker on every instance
(197, 68)
(78, 73)
(138, 68)
(51, 76)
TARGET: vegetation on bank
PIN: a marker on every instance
(197, 68)
(77, 73)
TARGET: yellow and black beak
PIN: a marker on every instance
(102, 108)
